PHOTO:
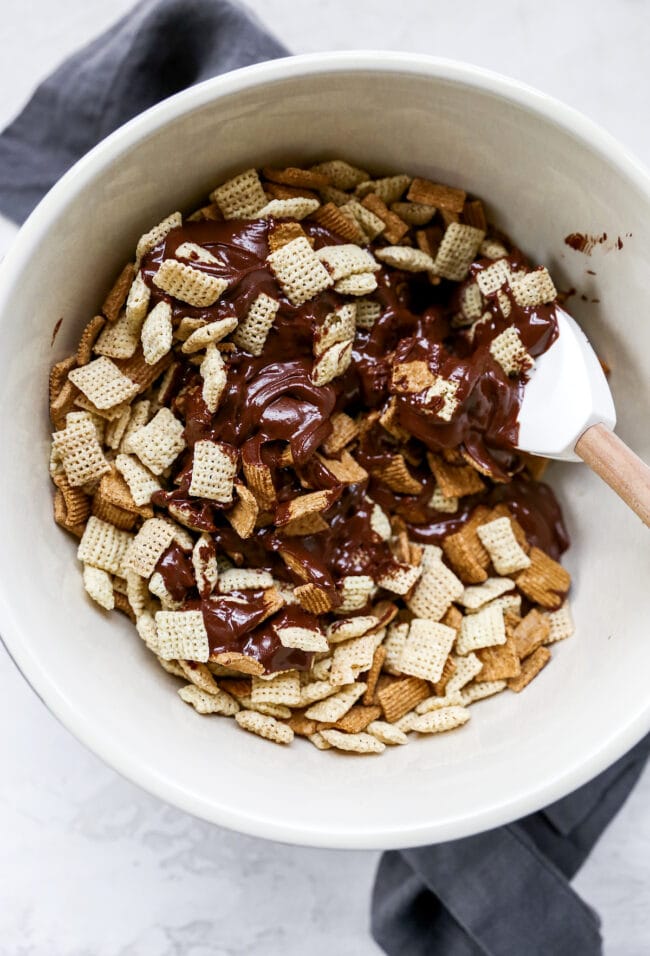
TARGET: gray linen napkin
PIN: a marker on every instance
(159, 48)
(501, 893)
(505, 892)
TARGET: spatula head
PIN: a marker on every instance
(567, 393)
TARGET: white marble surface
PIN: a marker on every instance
(89, 864)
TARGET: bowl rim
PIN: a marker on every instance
(113, 752)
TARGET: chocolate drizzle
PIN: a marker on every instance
(272, 413)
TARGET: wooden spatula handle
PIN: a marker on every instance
(617, 464)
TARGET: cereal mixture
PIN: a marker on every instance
(288, 448)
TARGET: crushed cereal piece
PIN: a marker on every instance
(244, 515)
(76, 501)
(449, 669)
(393, 646)
(140, 372)
(284, 232)
(319, 741)
(441, 503)
(295, 176)
(494, 277)
(414, 213)
(313, 598)
(355, 721)
(344, 431)
(445, 389)
(349, 627)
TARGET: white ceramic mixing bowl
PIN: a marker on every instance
(544, 172)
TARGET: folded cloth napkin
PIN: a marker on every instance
(505, 892)
(501, 893)
(159, 48)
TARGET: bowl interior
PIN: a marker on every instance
(540, 181)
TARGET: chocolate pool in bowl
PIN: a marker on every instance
(442, 121)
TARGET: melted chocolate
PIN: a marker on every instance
(176, 571)
(272, 413)
(236, 622)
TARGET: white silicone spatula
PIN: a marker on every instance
(568, 413)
